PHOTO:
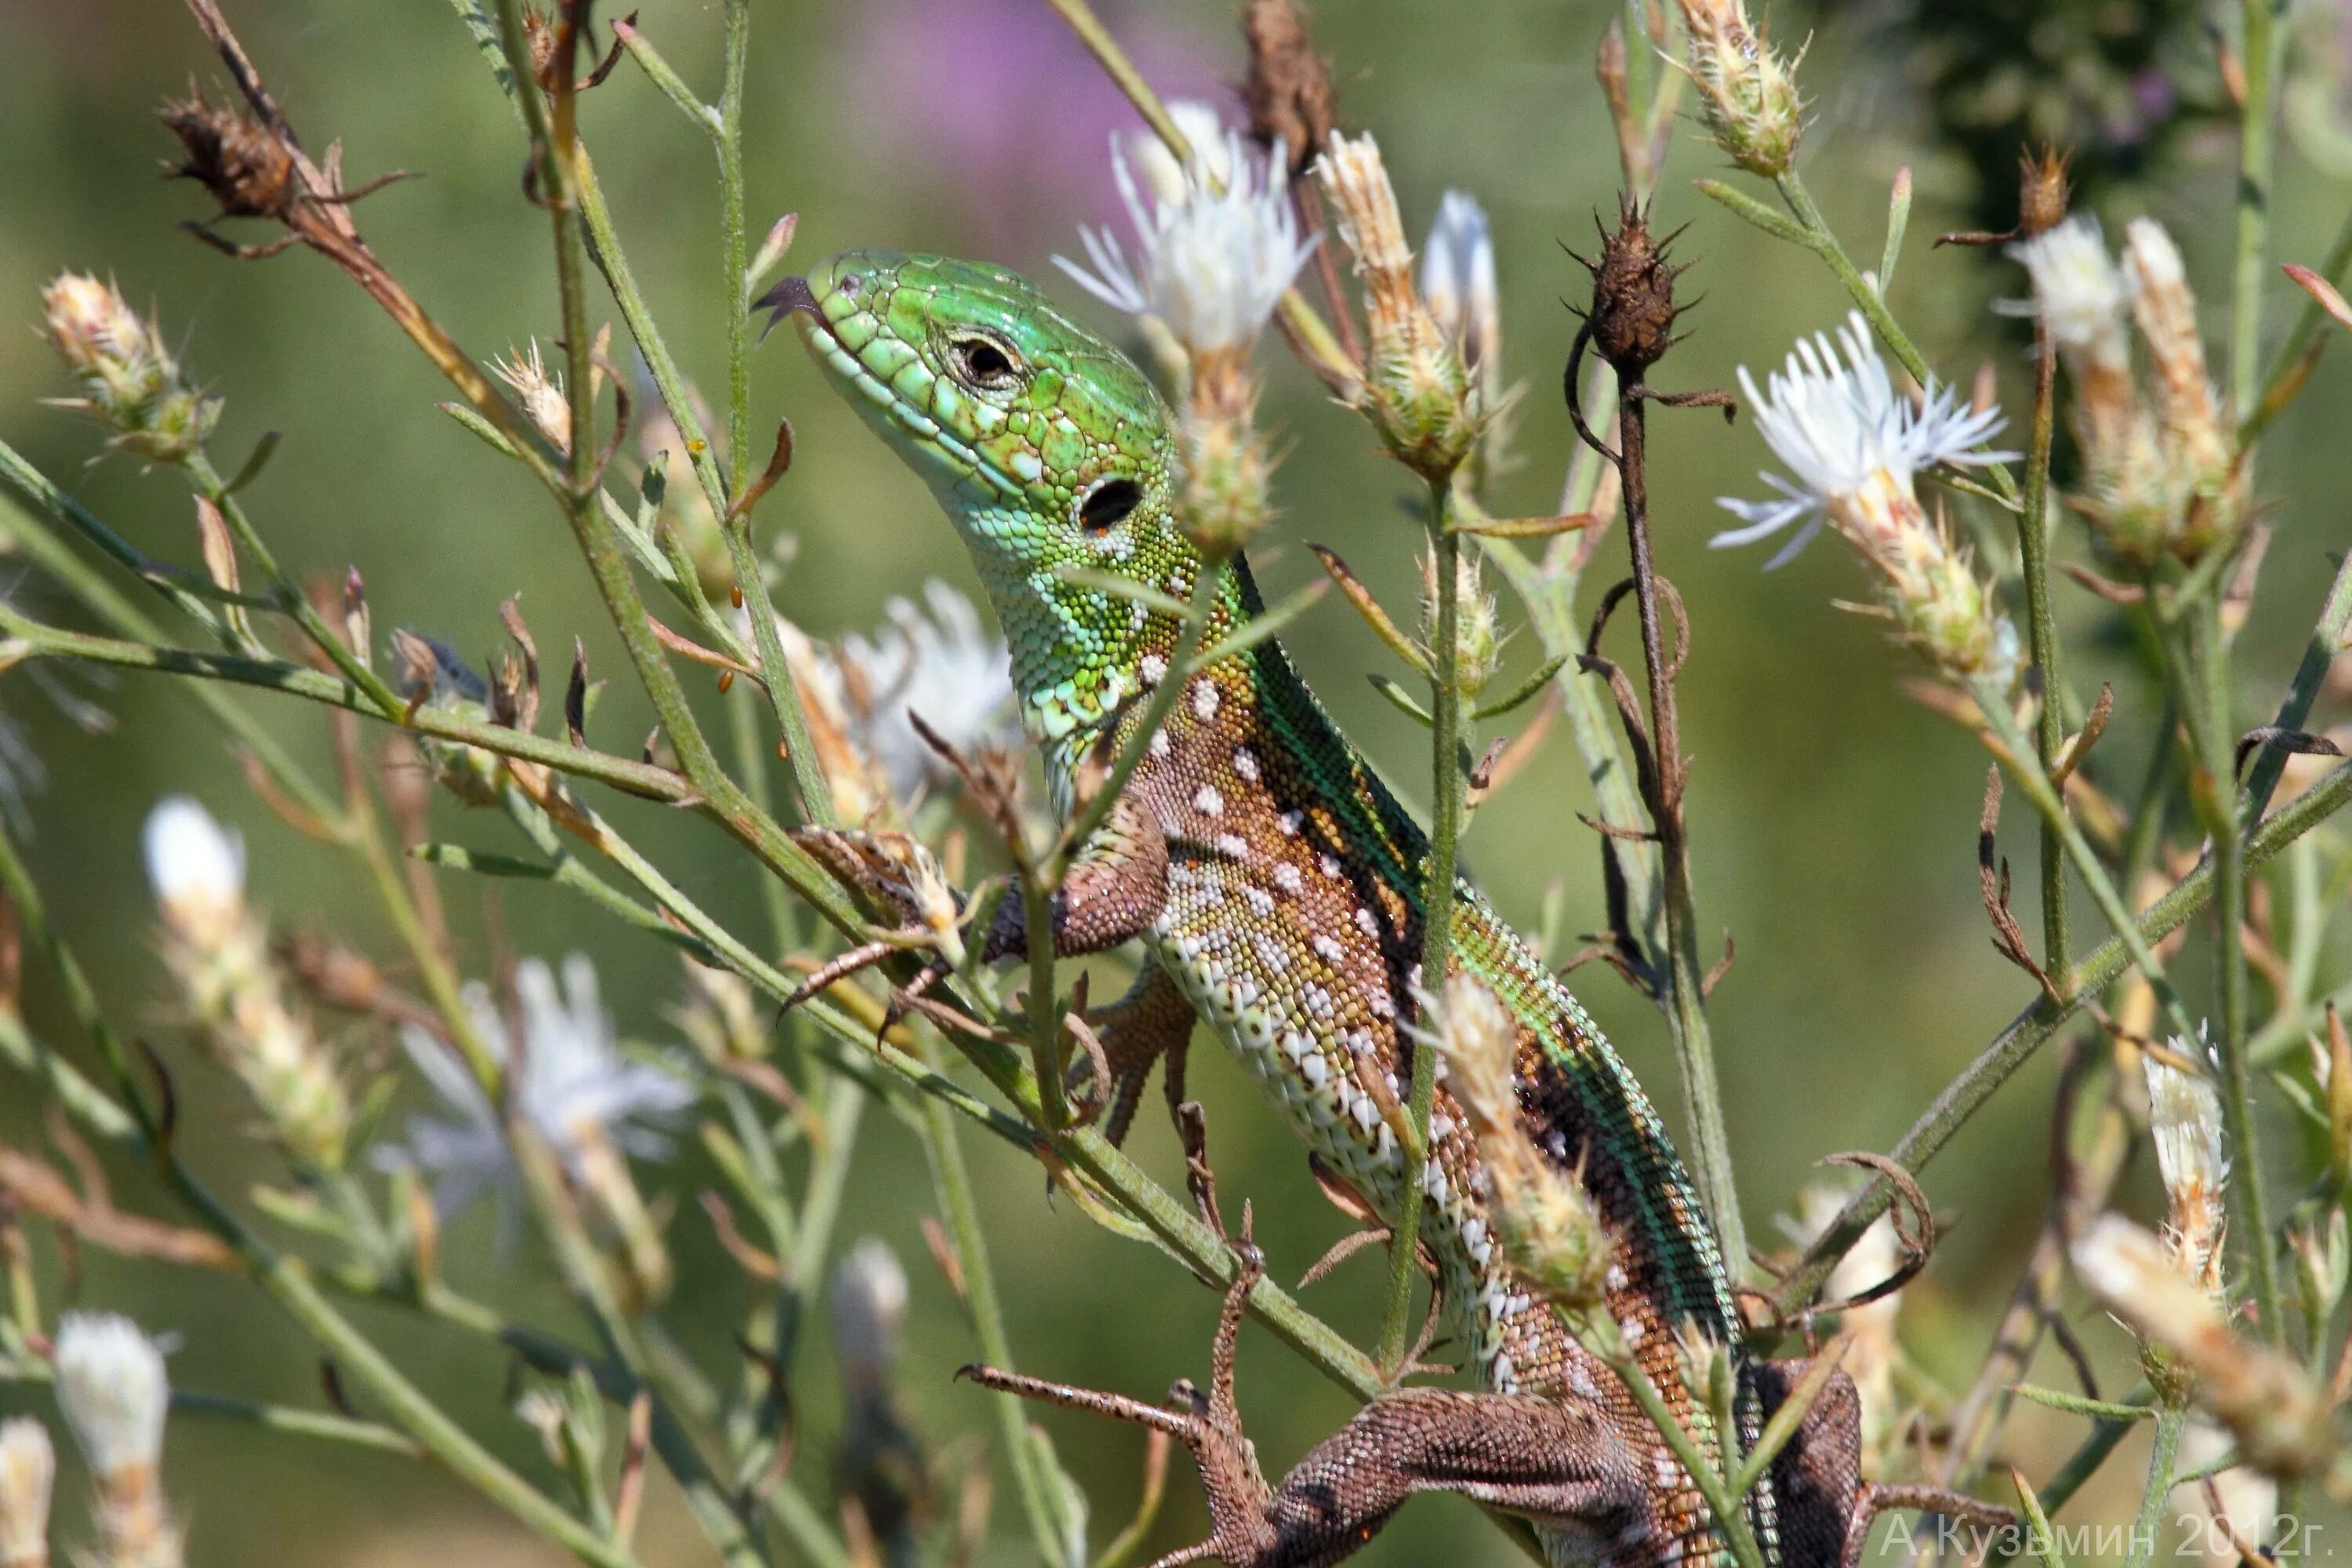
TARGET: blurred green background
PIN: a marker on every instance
(1834, 821)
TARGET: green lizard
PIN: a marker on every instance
(1276, 884)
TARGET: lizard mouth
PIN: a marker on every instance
(794, 297)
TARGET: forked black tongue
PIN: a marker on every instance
(790, 294)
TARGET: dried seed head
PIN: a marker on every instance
(2198, 439)
(28, 1470)
(1633, 317)
(1288, 89)
(539, 390)
(2041, 191)
(1543, 1217)
(2184, 1118)
(239, 160)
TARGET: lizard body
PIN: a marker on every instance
(1282, 902)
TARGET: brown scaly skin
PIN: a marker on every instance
(1276, 883)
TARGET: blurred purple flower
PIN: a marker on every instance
(997, 107)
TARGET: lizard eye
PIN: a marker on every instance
(985, 362)
(1106, 506)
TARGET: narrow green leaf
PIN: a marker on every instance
(1762, 216)
(2040, 1540)
(481, 862)
(2076, 1404)
(1119, 587)
(1370, 608)
(1526, 527)
(1402, 697)
(479, 427)
(255, 462)
(1526, 689)
(1898, 218)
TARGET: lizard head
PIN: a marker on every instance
(1048, 448)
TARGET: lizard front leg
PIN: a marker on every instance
(1152, 1020)
(1552, 1459)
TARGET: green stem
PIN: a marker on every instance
(2217, 806)
(1436, 912)
(1711, 1160)
(953, 1181)
(2013, 1047)
(2265, 55)
(731, 247)
(2170, 1416)
(2042, 630)
(287, 593)
(2026, 769)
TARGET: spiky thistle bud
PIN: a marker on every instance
(1417, 392)
(130, 381)
(219, 950)
(2041, 191)
(2280, 1423)
(1478, 635)
(114, 1391)
(28, 1472)
(1555, 1239)
(1749, 99)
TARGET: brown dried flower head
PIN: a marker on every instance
(1632, 315)
(2041, 191)
(240, 161)
(1288, 89)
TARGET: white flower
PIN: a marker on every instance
(112, 1388)
(1848, 437)
(196, 865)
(1204, 132)
(572, 1087)
(2079, 292)
(1216, 250)
(1457, 277)
(869, 1305)
(944, 665)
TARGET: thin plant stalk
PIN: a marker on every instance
(1437, 908)
(2170, 1416)
(1693, 1042)
(2042, 633)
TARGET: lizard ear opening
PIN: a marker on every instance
(1106, 505)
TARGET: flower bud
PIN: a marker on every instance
(1554, 1238)
(1478, 636)
(1227, 474)
(869, 1308)
(1417, 392)
(1749, 97)
(28, 1470)
(128, 379)
(218, 950)
(113, 1390)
